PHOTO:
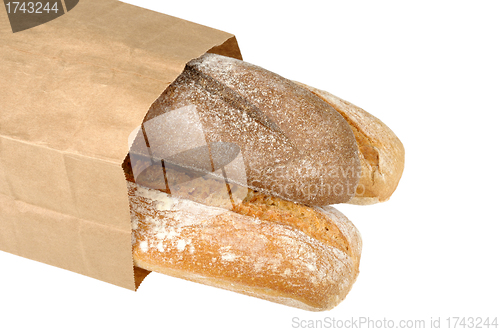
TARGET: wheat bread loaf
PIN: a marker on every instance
(251, 243)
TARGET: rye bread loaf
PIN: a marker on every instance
(294, 145)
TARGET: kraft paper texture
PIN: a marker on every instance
(71, 92)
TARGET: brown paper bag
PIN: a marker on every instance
(72, 90)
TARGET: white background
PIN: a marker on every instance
(428, 69)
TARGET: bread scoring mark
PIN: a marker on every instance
(306, 219)
(367, 151)
(380, 150)
(229, 96)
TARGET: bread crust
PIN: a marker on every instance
(294, 144)
(381, 153)
(274, 261)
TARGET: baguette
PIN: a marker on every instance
(254, 244)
